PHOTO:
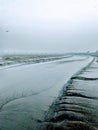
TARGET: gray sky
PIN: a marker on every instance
(49, 25)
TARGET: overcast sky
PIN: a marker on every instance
(49, 25)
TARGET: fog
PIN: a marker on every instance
(49, 25)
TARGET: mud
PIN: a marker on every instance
(76, 108)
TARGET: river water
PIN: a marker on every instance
(27, 91)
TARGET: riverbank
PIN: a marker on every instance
(76, 108)
(26, 92)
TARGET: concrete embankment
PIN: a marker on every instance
(76, 108)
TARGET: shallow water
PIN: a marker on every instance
(26, 92)
(77, 106)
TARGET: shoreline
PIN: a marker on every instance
(75, 108)
(40, 84)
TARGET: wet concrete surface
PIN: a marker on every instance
(76, 108)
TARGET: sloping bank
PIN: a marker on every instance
(76, 108)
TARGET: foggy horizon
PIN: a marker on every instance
(48, 64)
(49, 26)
